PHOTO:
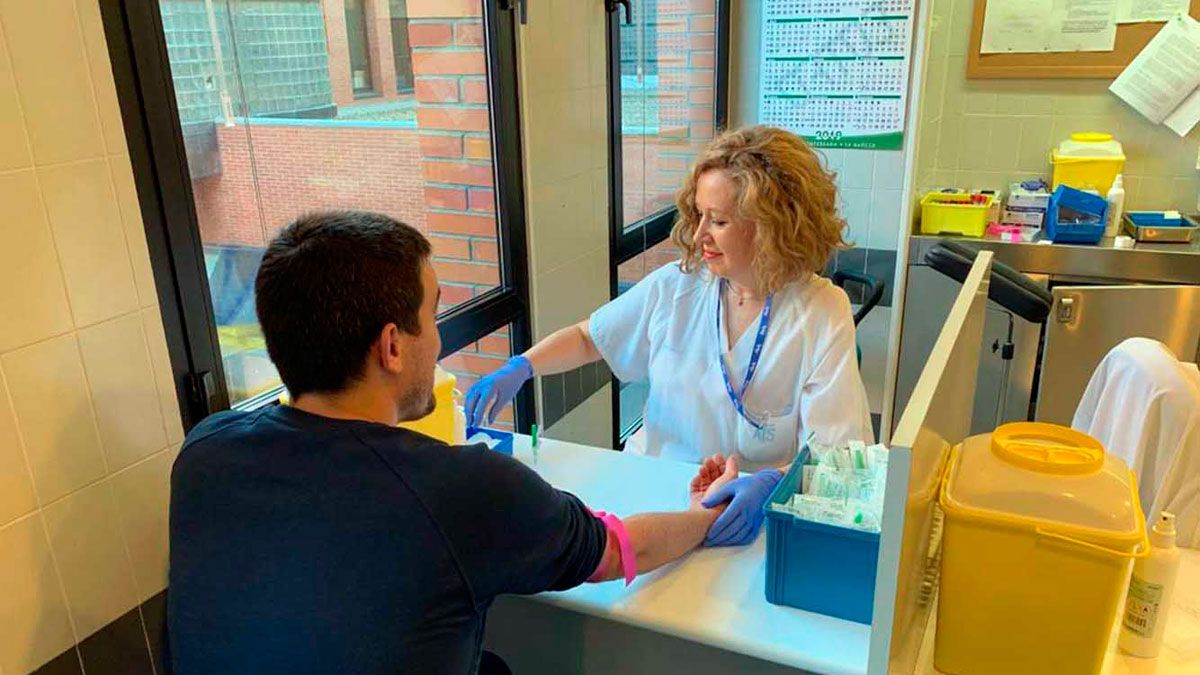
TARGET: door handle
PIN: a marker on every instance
(1067, 309)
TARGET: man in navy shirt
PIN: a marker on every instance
(320, 538)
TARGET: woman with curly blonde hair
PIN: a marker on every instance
(746, 349)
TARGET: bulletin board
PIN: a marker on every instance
(1131, 38)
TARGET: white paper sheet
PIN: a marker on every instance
(1185, 116)
(1137, 11)
(1024, 26)
(1165, 73)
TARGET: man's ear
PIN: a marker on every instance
(389, 348)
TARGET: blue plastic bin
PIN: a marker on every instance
(817, 567)
(1062, 231)
(506, 439)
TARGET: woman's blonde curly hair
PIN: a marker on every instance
(783, 188)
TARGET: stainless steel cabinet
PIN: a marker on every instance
(1088, 321)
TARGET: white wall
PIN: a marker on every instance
(89, 424)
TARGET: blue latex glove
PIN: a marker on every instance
(497, 390)
(740, 522)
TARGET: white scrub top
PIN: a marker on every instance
(664, 330)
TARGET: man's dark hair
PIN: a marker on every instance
(328, 284)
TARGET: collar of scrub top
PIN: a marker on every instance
(764, 322)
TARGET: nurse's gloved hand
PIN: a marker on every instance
(489, 396)
(746, 496)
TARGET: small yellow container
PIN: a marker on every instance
(1041, 526)
(1087, 161)
(442, 423)
(955, 213)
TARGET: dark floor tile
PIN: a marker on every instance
(66, 663)
(154, 614)
(118, 649)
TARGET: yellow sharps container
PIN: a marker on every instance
(1040, 529)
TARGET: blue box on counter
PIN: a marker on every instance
(1075, 216)
(817, 567)
(505, 445)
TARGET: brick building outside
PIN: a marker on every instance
(289, 106)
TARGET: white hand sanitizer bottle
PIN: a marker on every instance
(1150, 589)
(1116, 208)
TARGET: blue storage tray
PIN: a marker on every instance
(1075, 233)
(506, 439)
(1155, 219)
(817, 567)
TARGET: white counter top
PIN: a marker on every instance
(713, 596)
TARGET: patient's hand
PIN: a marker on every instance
(714, 472)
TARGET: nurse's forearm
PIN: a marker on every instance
(660, 538)
(563, 350)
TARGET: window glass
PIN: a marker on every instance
(481, 358)
(269, 98)
(668, 83)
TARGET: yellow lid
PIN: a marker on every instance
(1090, 137)
(1045, 476)
(1048, 448)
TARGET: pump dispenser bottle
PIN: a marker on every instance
(1150, 590)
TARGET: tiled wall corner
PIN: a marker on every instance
(990, 133)
(564, 127)
(89, 423)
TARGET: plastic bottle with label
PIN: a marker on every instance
(1150, 589)
(1116, 208)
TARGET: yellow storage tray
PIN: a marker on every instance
(955, 213)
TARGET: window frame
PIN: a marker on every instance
(145, 92)
(627, 242)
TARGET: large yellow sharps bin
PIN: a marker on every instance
(1040, 529)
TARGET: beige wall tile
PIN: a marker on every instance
(598, 134)
(552, 225)
(578, 19)
(570, 292)
(960, 27)
(60, 111)
(54, 415)
(1033, 153)
(32, 611)
(544, 119)
(143, 497)
(575, 144)
(14, 144)
(597, 48)
(1155, 192)
(1004, 145)
(135, 233)
(85, 535)
(33, 300)
(951, 136)
(972, 147)
(91, 240)
(16, 487)
(100, 66)
(164, 376)
(124, 390)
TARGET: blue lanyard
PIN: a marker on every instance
(764, 322)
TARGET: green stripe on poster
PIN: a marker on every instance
(888, 141)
